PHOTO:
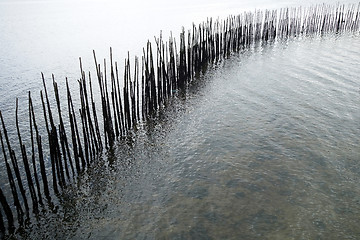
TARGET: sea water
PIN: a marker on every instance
(264, 145)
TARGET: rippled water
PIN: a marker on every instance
(265, 145)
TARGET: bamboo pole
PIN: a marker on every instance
(54, 142)
(40, 151)
(20, 212)
(93, 106)
(8, 213)
(26, 163)
(15, 167)
(62, 134)
(33, 154)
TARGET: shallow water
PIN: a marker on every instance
(265, 145)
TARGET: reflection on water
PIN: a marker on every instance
(264, 146)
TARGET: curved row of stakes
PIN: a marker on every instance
(124, 107)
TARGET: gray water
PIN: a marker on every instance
(49, 36)
(265, 145)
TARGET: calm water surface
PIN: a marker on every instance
(50, 35)
(265, 145)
